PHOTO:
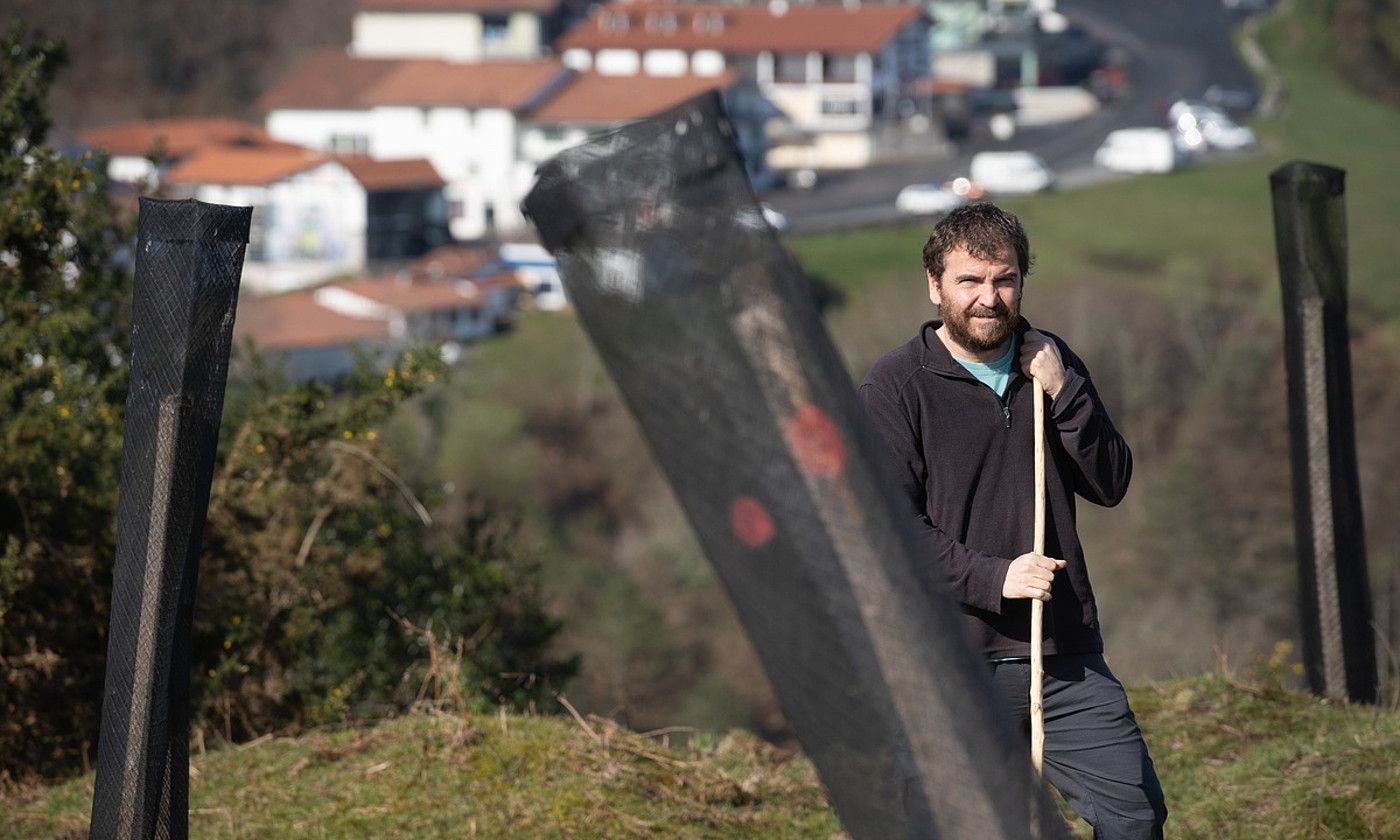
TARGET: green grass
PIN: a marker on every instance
(1236, 761)
(441, 776)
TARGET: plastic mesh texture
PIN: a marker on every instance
(708, 328)
(189, 256)
(1334, 592)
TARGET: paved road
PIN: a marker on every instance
(1175, 49)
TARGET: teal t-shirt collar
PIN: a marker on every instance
(995, 375)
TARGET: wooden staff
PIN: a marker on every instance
(1038, 606)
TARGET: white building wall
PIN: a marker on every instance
(540, 143)
(316, 129)
(577, 59)
(455, 36)
(665, 63)
(707, 63)
(617, 62)
(398, 132)
(523, 38)
(130, 169)
(309, 227)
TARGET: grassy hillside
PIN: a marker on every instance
(1236, 761)
(1166, 285)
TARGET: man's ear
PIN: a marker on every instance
(933, 291)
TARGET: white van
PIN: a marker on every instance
(1139, 150)
(1011, 172)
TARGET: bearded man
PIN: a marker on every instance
(954, 408)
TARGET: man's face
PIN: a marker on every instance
(979, 300)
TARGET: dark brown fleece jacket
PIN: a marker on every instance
(964, 460)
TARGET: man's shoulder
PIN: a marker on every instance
(892, 371)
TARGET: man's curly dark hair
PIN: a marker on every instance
(984, 230)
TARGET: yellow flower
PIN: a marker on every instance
(238, 619)
(59, 470)
(228, 645)
(260, 449)
(64, 412)
(348, 434)
(371, 435)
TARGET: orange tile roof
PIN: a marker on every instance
(414, 295)
(538, 6)
(451, 262)
(501, 84)
(655, 24)
(502, 279)
(218, 165)
(179, 135)
(406, 174)
(604, 100)
(328, 79)
(295, 320)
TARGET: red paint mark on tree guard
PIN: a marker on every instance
(750, 521)
(815, 441)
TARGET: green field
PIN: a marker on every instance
(1236, 759)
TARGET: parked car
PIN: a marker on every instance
(1227, 135)
(1140, 150)
(1199, 126)
(1011, 172)
(1235, 100)
(774, 218)
(926, 200)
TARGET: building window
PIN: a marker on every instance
(791, 68)
(840, 107)
(838, 68)
(662, 22)
(614, 22)
(349, 144)
(262, 224)
(494, 28)
(710, 23)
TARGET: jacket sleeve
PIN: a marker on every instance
(1103, 464)
(975, 578)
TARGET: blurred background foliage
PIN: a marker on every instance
(319, 557)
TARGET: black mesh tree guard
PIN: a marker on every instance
(709, 330)
(189, 256)
(1339, 650)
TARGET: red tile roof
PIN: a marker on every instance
(413, 173)
(219, 165)
(329, 80)
(655, 24)
(296, 321)
(180, 136)
(592, 98)
(480, 84)
(414, 295)
(451, 262)
(542, 7)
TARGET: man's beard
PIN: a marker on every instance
(982, 337)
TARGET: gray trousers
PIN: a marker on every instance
(1094, 752)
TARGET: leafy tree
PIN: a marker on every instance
(63, 345)
(316, 551)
